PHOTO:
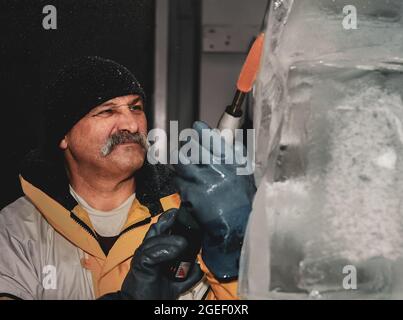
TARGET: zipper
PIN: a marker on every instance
(83, 225)
(138, 224)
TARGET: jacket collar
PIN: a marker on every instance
(76, 227)
(45, 183)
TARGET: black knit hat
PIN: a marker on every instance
(79, 87)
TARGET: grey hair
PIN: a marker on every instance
(123, 137)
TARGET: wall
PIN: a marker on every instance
(228, 28)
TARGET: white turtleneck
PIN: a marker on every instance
(106, 223)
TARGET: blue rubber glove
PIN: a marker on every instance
(146, 279)
(219, 199)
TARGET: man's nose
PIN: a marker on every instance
(127, 120)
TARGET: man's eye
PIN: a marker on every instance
(105, 112)
(136, 107)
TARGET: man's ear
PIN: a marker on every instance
(63, 144)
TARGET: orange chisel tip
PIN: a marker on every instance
(251, 66)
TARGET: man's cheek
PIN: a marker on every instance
(143, 125)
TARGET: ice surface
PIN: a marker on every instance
(328, 114)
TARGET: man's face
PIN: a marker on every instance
(107, 138)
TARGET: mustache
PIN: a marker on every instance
(124, 137)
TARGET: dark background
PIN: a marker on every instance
(30, 57)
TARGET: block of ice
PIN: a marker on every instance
(329, 164)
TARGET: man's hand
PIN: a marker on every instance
(145, 279)
(220, 200)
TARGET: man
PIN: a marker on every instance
(80, 231)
